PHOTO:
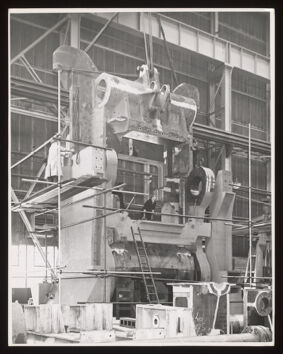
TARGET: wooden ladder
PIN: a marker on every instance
(251, 273)
(148, 279)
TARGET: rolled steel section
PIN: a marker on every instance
(200, 181)
(263, 303)
(247, 337)
(263, 334)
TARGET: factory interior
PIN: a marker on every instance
(140, 179)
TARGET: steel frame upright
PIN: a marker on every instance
(59, 181)
(250, 208)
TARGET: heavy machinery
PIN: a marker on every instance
(104, 110)
(128, 140)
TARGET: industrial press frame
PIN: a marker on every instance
(106, 103)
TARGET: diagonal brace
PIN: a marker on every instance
(95, 39)
(32, 234)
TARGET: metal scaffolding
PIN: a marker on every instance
(42, 92)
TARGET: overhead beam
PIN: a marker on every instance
(32, 114)
(36, 91)
(214, 134)
(204, 43)
(26, 88)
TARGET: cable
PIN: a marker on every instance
(150, 44)
(145, 41)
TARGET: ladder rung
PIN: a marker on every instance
(151, 291)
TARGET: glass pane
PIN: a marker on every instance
(181, 302)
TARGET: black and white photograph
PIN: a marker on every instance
(141, 177)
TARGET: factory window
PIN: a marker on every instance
(132, 173)
(153, 179)
(181, 302)
(240, 246)
(38, 260)
(140, 175)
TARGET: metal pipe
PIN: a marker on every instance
(229, 224)
(104, 244)
(66, 31)
(31, 232)
(16, 57)
(55, 183)
(150, 43)
(241, 337)
(262, 335)
(167, 50)
(102, 191)
(34, 151)
(129, 192)
(167, 214)
(33, 114)
(145, 41)
(59, 179)
(246, 187)
(46, 259)
(38, 181)
(250, 207)
(39, 173)
(93, 218)
(94, 272)
(253, 200)
(243, 276)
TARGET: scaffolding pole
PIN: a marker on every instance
(104, 246)
(32, 234)
(116, 210)
(31, 188)
(34, 151)
(250, 207)
(59, 178)
(165, 214)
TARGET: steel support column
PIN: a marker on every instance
(75, 30)
(212, 97)
(226, 102)
(268, 175)
(214, 23)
